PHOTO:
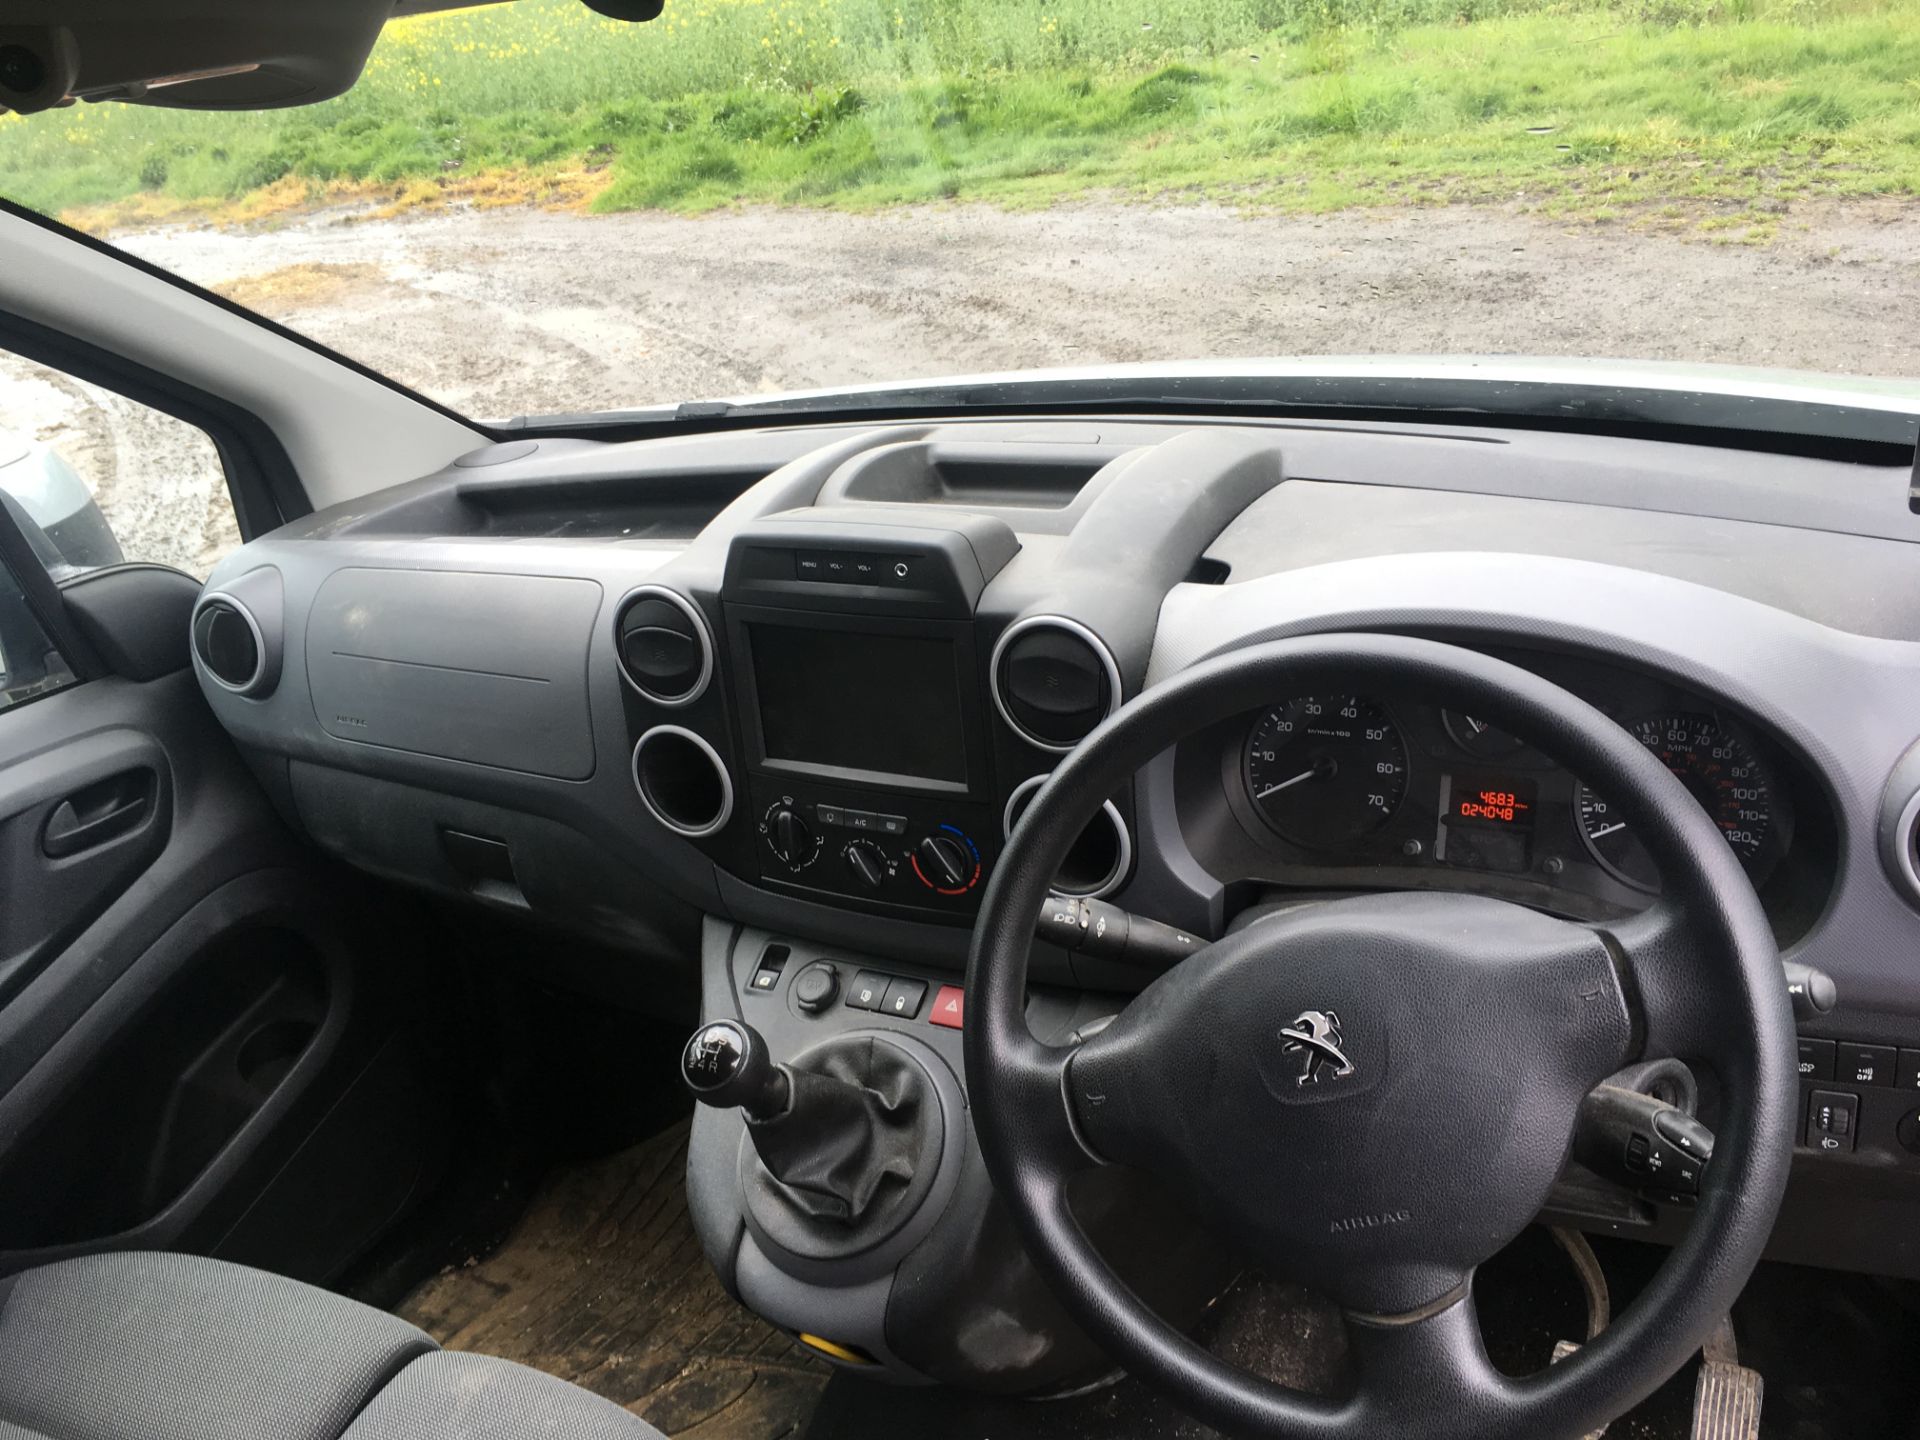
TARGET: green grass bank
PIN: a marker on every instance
(1708, 111)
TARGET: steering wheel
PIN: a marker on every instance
(1373, 1095)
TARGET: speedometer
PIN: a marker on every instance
(1719, 771)
(1326, 771)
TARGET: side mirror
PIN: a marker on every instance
(51, 505)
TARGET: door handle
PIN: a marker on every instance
(98, 814)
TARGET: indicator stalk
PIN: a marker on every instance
(1100, 931)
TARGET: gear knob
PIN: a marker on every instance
(726, 1065)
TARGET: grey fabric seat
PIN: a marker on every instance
(145, 1346)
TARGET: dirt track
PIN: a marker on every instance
(505, 312)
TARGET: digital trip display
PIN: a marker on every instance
(1501, 802)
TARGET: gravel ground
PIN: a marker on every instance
(503, 312)
(157, 479)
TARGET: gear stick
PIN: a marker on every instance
(726, 1065)
(843, 1133)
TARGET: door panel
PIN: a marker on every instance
(209, 825)
(203, 1025)
(78, 822)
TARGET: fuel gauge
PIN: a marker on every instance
(1478, 738)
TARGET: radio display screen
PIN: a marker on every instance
(879, 705)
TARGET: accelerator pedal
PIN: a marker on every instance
(1726, 1397)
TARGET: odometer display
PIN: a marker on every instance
(1502, 802)
(1326, 771)
(1718, 770)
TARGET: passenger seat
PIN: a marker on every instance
(175, 1347)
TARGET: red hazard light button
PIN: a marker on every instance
(949, 1007)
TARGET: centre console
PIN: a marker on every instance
(868, 772)
(864, 739)
(846, 699)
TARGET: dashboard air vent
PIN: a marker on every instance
(666, 650)
(223, 638)
(1053, 681)
(235, 634)
(1898, 830)
(1100, 856)
(682, 780)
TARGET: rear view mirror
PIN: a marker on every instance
(211, 55)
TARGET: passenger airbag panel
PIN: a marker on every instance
(490, 669)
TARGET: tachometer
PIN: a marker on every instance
(1326, 771)
(1719, 771)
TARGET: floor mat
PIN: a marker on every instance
(603, 1283)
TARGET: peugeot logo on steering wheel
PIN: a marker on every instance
(1316, 1034)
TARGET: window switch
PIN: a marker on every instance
(1832, 1119)
(867, 991)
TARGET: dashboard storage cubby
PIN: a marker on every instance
(981, 476)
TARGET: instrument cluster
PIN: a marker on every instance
(1364, 789)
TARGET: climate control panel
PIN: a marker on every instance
(893, 851)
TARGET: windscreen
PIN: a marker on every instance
(528, 208)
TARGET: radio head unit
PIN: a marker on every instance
(860, 684)
(869, 559)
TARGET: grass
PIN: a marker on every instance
(1718, 112)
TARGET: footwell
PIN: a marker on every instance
(603, 1283)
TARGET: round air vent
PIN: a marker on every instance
(235, 633)
(1902, 843)
(1100, 856)
(1053, 680)
(227, 640)
(682, 780)
(666, 650)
